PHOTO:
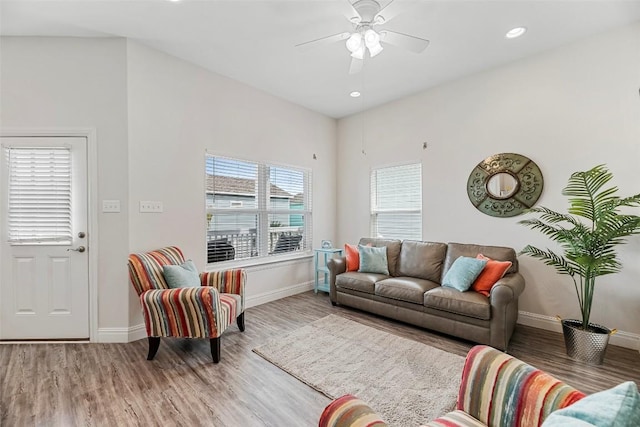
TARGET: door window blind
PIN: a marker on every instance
(39, 205)
(396, 202)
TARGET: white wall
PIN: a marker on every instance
(79, 83)
(155, 116)
(568, 109)
(179, 111)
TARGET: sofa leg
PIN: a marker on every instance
(215, 349)
(333, 303)
(154, 343)
(241, 322)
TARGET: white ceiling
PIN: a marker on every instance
(254, 41)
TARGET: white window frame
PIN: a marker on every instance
(263, 211)
(375, 210)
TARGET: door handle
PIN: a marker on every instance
(78, 249)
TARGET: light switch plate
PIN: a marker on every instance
(150, 206)
(111, 206)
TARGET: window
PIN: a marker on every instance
(256, 209)
(396, 202)
(39, 195)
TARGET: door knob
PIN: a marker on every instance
(78, 249)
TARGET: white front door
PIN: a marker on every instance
(44, 280)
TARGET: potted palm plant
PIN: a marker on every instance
(588, 236)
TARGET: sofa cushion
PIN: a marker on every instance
(463, 272)
(393, 251)
(422, 259)
(410, 289)
(363, 282)
(498, 253)
(616, 407)
(489, 276)
(470, 304)
(352, 257)
(454, 419)
(373, 260)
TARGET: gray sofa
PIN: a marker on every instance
(412, 292)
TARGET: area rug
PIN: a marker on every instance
(405, 381)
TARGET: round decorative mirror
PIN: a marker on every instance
(505, 184)
(502, 185)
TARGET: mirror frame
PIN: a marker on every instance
(528, 188)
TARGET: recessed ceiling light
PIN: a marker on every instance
(354, 94)
(174, 1)
(515, 32)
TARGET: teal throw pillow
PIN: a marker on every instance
(373, 260)
(616, 407)
(181, 276)
(463, 273)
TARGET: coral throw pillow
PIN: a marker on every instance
(353, 257)
(493, 271)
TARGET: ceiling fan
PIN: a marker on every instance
(366, 38)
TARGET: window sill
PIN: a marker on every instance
(258, 262)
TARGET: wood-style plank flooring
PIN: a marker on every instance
(114, 384)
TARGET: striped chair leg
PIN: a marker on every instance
(154, 343)
(241, 322)
(215, 349)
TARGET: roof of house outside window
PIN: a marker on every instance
(241, 187)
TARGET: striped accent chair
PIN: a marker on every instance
(200, 312)
(497, 390)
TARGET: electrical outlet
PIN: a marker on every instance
(150, 206)
(111, 206)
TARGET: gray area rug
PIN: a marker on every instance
(406, 382)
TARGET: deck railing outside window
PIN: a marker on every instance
(226, 245)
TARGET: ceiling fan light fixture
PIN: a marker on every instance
(372, 41)
(358, 53)
(371, 38)
(375, 49)
(354, 43)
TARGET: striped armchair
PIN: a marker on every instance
(497, 390)
(201, 312)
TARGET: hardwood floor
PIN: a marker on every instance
(114, 384)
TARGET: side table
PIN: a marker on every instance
(320, 258)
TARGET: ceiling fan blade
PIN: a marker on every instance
(356, 66)
(353, 13)
(323, 40)
(389, 11)
(411, 43)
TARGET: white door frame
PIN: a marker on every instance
(92, 205)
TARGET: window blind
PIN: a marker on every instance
(39, 195)
(396, 202)
(256, 209)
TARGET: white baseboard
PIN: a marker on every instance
(117, 335)
(137, 332)
(550, 323)
(278, 294)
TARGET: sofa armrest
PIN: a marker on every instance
(349, 411)
(231, 281)
(183, 312)
(336, 266)
(507, 289)
(498, 389)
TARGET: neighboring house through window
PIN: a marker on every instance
(256, 209)
(396, 202)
